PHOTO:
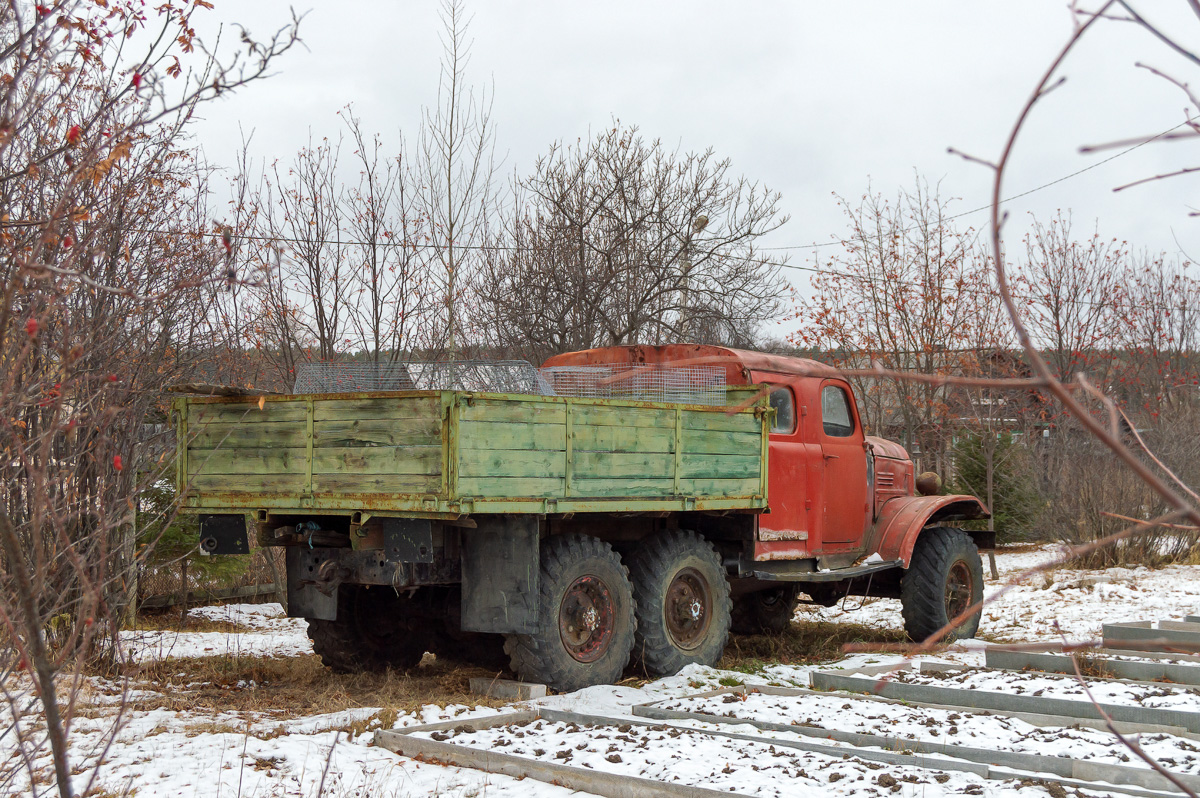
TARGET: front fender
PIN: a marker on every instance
(901, 520)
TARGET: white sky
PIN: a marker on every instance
(810, 98)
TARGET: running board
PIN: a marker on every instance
(766, 572)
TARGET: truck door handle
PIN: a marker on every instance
(831, 456)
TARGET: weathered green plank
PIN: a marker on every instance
(719, 421)
(721, 487)
(248, 483)
(736, 394)
(510, 463)
(379, 432)
(605, 465)
(234, 412)
(625, 439)
(510, 487)
(607, 416)
(246, 461)
(376, 483)
(511, 435)
(378, 460)
(716, 442)
(619, 488)
(495, 410)
(247, 435)
(381, 407)
(720, 466)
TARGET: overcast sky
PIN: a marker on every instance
(809, 98)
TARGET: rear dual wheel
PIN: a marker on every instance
(374, 630)
(671, 606)
(586, 618)
(683, 604)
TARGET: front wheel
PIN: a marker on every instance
(586, 619)
(944, 579)
(683, 606)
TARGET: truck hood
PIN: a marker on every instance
(886, 448)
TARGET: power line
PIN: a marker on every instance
(1055, 182)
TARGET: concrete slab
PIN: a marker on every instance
(507, 689)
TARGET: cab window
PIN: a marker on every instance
(785, 411)
(836, 417)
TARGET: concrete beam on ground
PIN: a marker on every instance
(1152, 635)
(959, 755)
(608, 785)
(1145, 672)
(1004, 702)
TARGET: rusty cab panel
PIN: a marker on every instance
(820, 495)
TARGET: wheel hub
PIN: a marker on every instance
(688, 608)
(959, 589)
(586, 619)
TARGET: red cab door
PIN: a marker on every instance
(845, 493)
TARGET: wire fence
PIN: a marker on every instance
(693, 385)
(496, 376)
(698, 385)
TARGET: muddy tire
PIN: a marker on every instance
(766, 611)
(373, 632)
(586, 617)
(944, 578)
(683, 604)
(450, 642)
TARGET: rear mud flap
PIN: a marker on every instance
(500, 568)
(305, 600)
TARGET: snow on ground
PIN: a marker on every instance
(207, 753)
(683, 757)
(974, 730)
(1054, 603)
(269, 633)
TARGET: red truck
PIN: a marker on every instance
(845, 516)
(569, 535)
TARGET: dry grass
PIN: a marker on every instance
(806, 642)
(298, 686)
(168, 621)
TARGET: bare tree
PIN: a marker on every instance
(456, 167)
(912, 293)
(105, 271)
(1073, 289)
(617, 240)
(392, 293)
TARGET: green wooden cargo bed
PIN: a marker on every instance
(452, 453)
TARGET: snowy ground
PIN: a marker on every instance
(266, 752)
(1055, 603)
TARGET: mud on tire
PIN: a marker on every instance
(765, 611)
(586, 617)
(944, 578)
(372, 632)
(683, 604)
